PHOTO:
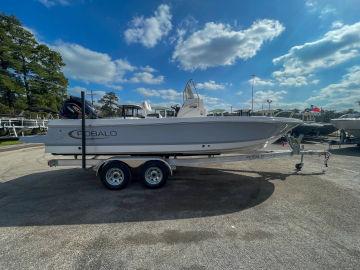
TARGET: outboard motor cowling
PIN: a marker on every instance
(71, 109)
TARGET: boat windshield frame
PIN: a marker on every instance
(190, 91)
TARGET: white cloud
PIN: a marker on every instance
(51, 3)
(214, 102)
(301, 105)
(114, 86)
(260, 97)
(323, 9)
(219, 45)
(148, 92)
(210, 85)
(211, 100)
(186, 25)
(294, 81)
(239, 93)
(124, 66)
(97, 94)
(260, 82)
(33, 32)
(311, 4)
(326, 11)
(148, 69)
(149, 31)
(167, 94)
(146, 77)
(335, 47)
(337, 24)
(171, 95)
(341, 95)
(90, 66)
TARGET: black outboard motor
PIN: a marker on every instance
(176, 108)
(71, 109)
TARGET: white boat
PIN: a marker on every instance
(309, 128)
(350, 123)
(170, 136)
(190, 133)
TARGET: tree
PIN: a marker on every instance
(10, 86)
(109, 104)
(47, 86)
(31, 75)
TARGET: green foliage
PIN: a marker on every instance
(109, 105)
(11, 142)
(30, 73)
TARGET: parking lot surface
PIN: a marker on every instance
(251, 215)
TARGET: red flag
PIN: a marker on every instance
(315, 109)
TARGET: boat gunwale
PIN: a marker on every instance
(165, 121)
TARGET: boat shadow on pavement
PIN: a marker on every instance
(74, 196)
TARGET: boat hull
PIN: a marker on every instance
(200, 135)
(350, 125)
(314, 129)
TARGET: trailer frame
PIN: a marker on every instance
(169, 164)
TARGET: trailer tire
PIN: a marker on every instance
(154, 174)
(115, 175)
(299, 166)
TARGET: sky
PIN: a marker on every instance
(302, 52)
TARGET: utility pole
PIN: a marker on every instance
(92, 96)
(252, 92)
(269, 101)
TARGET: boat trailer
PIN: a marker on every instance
(116, 171)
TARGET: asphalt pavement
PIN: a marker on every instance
(248, 215)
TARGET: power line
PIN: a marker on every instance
(92, 94)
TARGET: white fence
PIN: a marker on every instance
(13, 127)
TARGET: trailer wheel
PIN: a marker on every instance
(154, 174)
(115, 175)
